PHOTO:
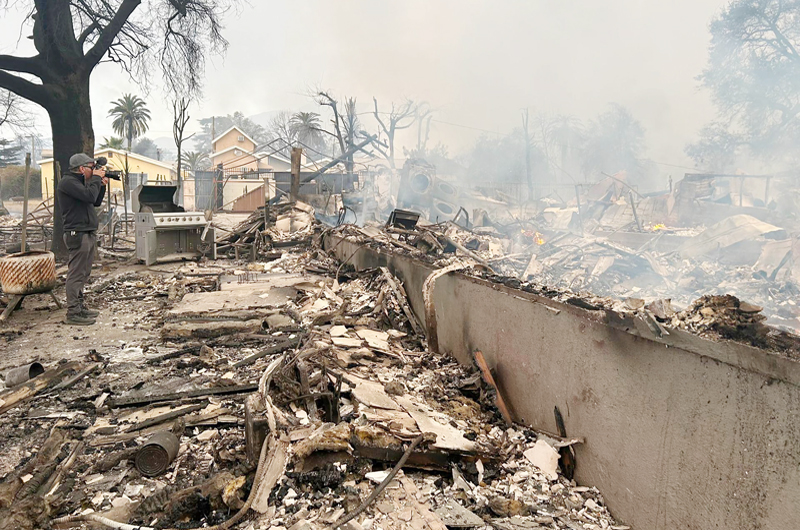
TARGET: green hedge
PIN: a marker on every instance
(13, 181)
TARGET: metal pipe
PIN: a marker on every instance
(21, 374)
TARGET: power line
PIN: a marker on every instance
(673, 165)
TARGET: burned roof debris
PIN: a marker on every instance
(272, 393)
(280, 388)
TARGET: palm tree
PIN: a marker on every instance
(307, 128)
(195, 160)
(131, 117)
(115, 142)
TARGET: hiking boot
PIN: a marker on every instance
(79, 320)
(91, 313)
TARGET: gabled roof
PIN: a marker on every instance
(316, 164)
(121, 154)
(231, 148)
(213, 141)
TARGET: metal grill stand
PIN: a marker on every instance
(164, 231)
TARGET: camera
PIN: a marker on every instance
(112, 174)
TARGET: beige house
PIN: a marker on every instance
(235, 149)
(247, 168)
(140, 168)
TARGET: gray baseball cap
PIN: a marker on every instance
(79, 159)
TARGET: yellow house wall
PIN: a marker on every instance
(47, 179)
(232, 139)
(231, 159)
(115, 161)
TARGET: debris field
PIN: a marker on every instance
(278, 390)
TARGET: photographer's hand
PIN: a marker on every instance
(100, 172)
(105, 181)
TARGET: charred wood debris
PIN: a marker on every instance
(281, 390)
(709, 256)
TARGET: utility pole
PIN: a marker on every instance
(125, 185)
(527, 153)
(25, 202)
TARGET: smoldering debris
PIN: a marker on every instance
(710, 234)
(297, 422)
(304, 394)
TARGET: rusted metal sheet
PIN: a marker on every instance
(28, 273)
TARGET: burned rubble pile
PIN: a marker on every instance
(709, 234)
(39, 228)
(292, 393)
(497, 260)
(267, 230)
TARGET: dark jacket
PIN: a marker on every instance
(78, 200)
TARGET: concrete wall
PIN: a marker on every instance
(680, 432)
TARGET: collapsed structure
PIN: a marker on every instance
(724, 234)
(426, 372)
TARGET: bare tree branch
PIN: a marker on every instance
(11, 113)
(400, 117)
(329, 101)
(91, 28)
(24, 88)
(24, 65)
(110, 32)
(180, 117)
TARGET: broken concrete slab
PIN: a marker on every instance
(454, 515)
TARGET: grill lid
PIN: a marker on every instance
(158, 196)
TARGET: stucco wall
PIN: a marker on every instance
(115, 161)
(680, 432)
(244, 160)
(231, 139)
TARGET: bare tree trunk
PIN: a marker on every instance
(71, 124)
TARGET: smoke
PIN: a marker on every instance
(478, 63)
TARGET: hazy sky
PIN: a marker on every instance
(477, 62)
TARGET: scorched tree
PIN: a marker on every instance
(753, 75)
(72, 37)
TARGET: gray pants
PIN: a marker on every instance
(81, 247)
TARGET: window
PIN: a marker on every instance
(237, 152)
(241, 138)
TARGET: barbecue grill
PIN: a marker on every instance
(164, 230)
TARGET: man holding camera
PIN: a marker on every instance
(79, 192)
